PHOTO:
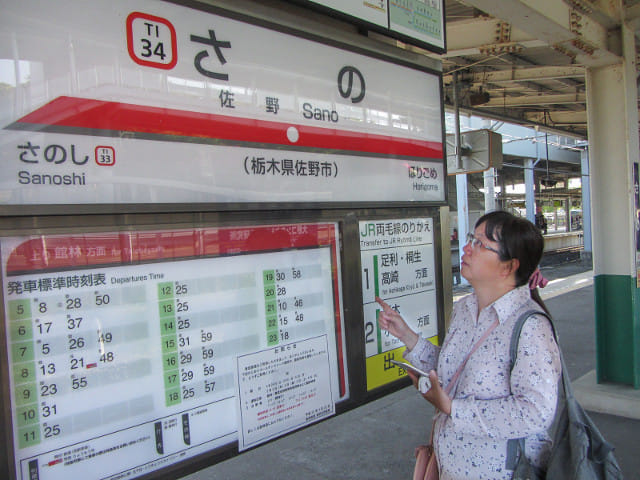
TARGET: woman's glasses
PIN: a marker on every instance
(475, 243)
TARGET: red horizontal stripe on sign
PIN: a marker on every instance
(103, 115)
(53, 252)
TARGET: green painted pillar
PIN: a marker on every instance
(616, 304)
(614, 151)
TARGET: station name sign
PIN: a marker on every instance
(166, 104)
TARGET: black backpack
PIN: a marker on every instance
(579, 450)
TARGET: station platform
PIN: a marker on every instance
(376, 440)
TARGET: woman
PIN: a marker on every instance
(489, 404)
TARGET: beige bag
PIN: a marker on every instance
(426, 465)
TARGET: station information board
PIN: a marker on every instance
(420, 22)
(165, 104)
(398, 265)
(131, 351)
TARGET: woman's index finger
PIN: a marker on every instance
(385, 306)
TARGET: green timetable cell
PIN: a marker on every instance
(19, 309)
(21, 330)
(26, 394)
(24, 372)
(27, 415)
(167, 326)
(270, 308)
(269, 292)
(169, 344)
(28, 436)
(272, 322)
(272, 338)
(22, 351)
(171, 379)
(268, 277)
(170, 361)
(172, 396)
(166, 308)
(165, 290)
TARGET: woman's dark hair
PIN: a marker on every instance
(517, 238)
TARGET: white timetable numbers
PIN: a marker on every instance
(151, 41)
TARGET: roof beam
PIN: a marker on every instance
(558, 25)
(558, 118)
(483, 35)
(632, 17)
(532, 100)
(527, 74)
(605, 12)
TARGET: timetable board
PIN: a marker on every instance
(124, 347)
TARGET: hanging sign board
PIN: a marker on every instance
(166, 104)
(418, 22)
(131, 351)
(398, 265)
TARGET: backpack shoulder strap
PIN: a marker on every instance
(517, 328)
(515, 446)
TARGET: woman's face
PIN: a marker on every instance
(480, 262)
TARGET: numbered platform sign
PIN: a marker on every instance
(398, 265)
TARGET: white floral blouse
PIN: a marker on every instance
(490, 404)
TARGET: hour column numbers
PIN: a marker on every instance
(280, 315)
(270, 306)
(169, 339)
(24, 373)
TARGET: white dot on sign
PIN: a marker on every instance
(292, 134)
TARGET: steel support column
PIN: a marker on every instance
(586, 203)
(612, 94)
(489, 177)
(529, 194)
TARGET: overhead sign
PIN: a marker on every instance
(398, 265)
(166, 104)
(131, 351)
(420, 22)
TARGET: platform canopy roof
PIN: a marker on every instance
(525, 60)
